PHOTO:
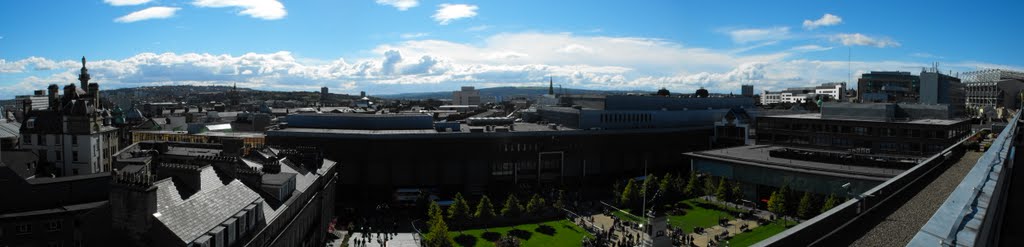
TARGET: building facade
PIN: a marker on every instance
(466, 96)
(747, 90)
(74, 134)
(988, 91)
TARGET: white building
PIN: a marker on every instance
(466, 96)
(832, 90)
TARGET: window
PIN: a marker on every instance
(24, 229)
(58, 139)
(28, 138)
(59, 154)
(74, 155)
(53, 226)
(42, 139)
(74, 140)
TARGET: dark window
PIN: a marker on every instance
(74, 140)
(53, 226)
(24, 228)
(57, 140)
(28, 139)
(42, 139)
(74, 155)
(59, 154)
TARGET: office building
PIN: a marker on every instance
(938, 88)
(991, 91)
(747, 90)
(889, 86)
(833, 91)
(466, 96)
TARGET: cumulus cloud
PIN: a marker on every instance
(147, 14)
(759, 34)
(824, 21)
(401, 5)
(261, 9)
(857, 39)
(450, 12)
(622, 63)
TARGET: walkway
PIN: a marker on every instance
(895, 227)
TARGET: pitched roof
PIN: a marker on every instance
(192, 217)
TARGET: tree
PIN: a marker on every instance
(512, 209)
(560, 201)
(679, 185)
(459, 210)
(508, 241)
(484, 210)
(737, 191)
(617, 192)
(830, 203)
(666, 188)
(804, 210)
(650, 186)
(709, 186)
(628, 194)
(784, 196)
(438, 235)
(535, 205)
(776, 204)
(722, 192)
(691, 185)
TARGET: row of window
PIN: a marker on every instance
(26, 228)
(41, 139)
(862, 130)
(626, 117)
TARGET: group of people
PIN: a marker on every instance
(378, 231)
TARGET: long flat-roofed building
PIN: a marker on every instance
(382, 153)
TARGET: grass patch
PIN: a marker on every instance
(699, 213)
(623, 215)
(551, 233)
(760, 233)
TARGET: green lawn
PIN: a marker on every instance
(551, 233)
(621, 214)
(760, 233)
(699, 213)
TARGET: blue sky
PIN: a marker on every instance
(396, 46)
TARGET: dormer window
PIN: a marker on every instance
(31, 123)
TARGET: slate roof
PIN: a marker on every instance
(10, 130)
(192, 217)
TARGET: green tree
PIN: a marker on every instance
(560, 201)
(438, 234)
(737, 191)
(535, 206)
(512, 209)
(617, 192)
(666, 188)
(679, 187)
(484, 210)
(627, 194)
(650, 186)
(459, 212)
(784, 196)
(691, 185)
(830, 203)
(722, 192)
(804, 210)
(709, 186)
(776, 204)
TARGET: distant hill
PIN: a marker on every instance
(504, 92)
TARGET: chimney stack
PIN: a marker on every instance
(54, 93)
(94, 91)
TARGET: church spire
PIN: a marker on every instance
(84, 75)
(551, 85)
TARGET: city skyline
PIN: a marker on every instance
(401, 46)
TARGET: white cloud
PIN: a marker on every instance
(594, 62)
(810, 48)
(147, 14)
(401, 5)
(125, 2)
(450, 12)
(261, 9)
(857, 39)
(824, 21)
(414, 35)
(759, 34)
